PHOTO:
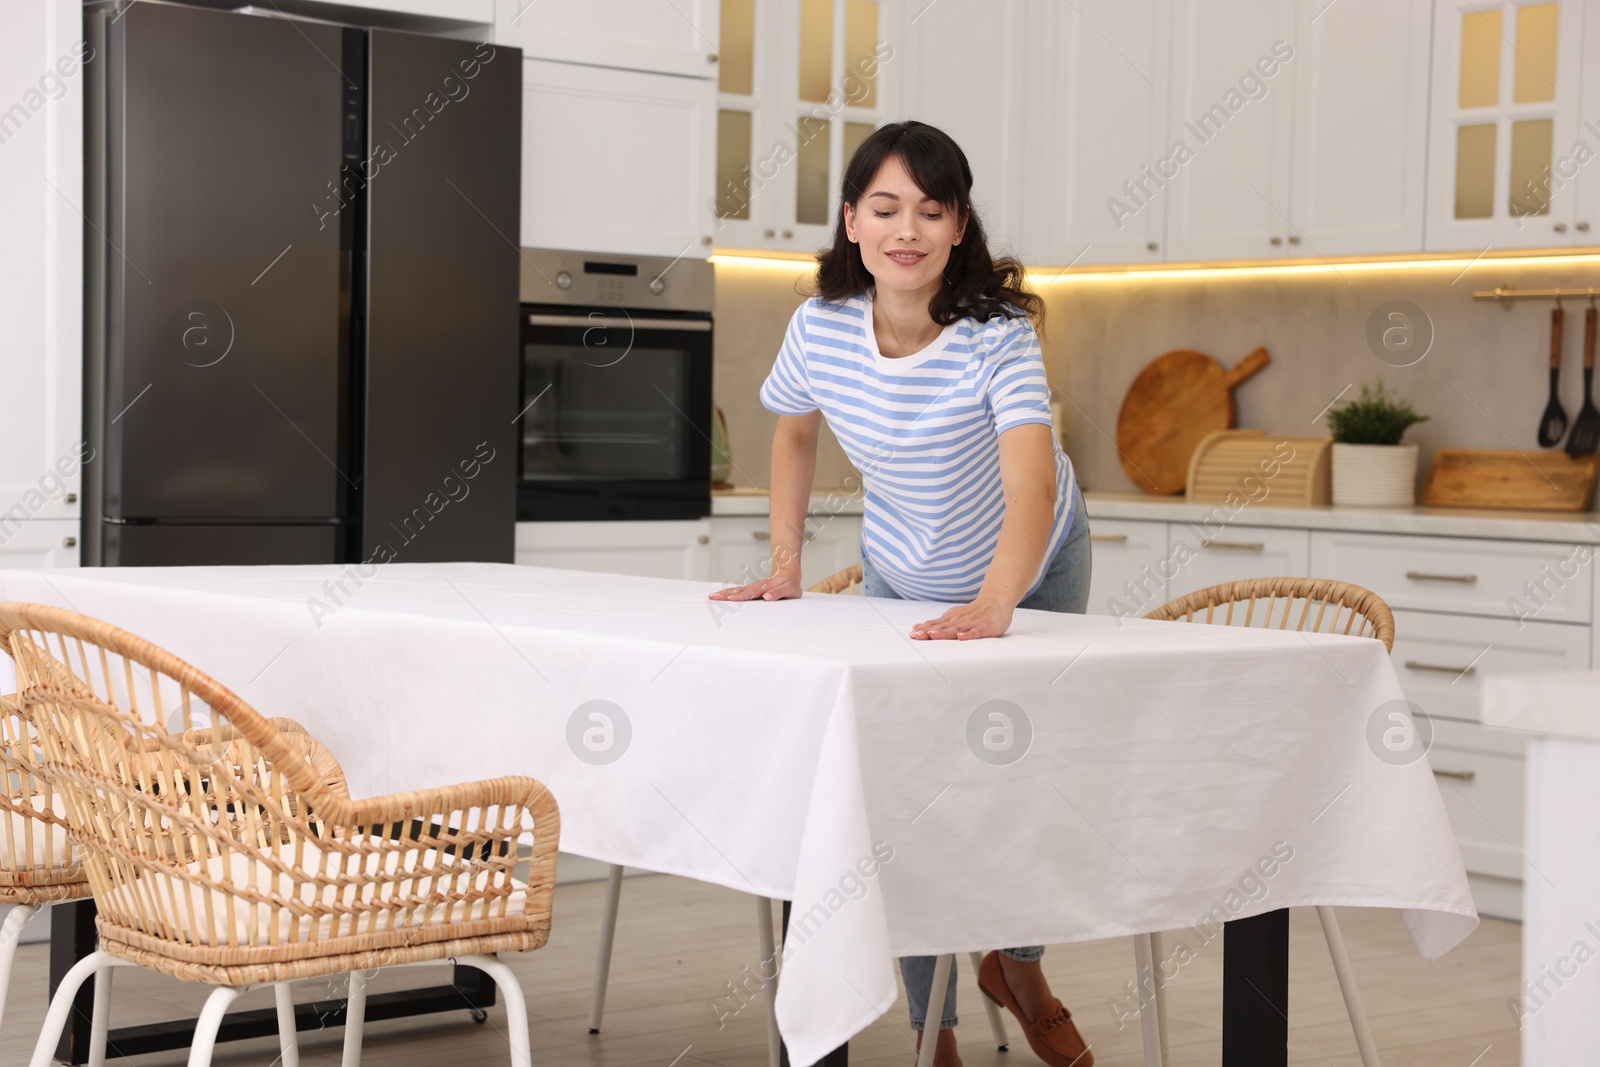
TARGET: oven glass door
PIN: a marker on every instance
(616, 415)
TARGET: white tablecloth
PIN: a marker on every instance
(808, 750)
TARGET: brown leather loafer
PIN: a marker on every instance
(1051, 1034)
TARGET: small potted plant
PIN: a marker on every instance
(1371, 467)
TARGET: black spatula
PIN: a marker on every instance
(1586, 431)
(1553, 423)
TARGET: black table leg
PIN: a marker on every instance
(839, 1057)
(1255, 991)
(72, 937)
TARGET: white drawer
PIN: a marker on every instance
(1233, 553)
(1124, 578)
(1441, 658)
(1478, 577)
(1481, 774)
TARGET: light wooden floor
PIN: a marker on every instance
(679, 941)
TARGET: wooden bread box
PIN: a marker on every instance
(1233, 466)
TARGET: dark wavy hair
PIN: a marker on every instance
(976, 284)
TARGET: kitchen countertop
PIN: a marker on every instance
(1569, 527)
(1564, 527)
(1563, 703)
(753, 502)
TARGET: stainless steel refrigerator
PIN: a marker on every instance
(302, 291)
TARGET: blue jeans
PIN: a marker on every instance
(1065, 588)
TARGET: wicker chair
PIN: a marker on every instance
(845, 581)
(38, 863)
(223, 848)
(1309, 605)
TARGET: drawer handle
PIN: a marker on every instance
(1459, 776)
(1461, 672)
(1113, 538)
(761, 535)
(1242, 546)
(1423, 576)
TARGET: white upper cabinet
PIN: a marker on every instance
(1096, 110)
(1502, 159)
(1233, 71)
(665, 36)
(42, 56)
(801, 84)
(980, 107)
(616, 161)
(1360, 127)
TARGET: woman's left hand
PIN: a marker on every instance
(981, 618)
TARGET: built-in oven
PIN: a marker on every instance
(616, 387)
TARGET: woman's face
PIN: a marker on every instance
(905, 237)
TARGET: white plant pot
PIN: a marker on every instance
(1374, 476)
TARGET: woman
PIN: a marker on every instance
(920, 351)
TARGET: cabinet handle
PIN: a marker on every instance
(1275, 241)
(711, 57)
(706, 239)
(69, 542)
(1243, 546)
(1460, 776)
(1560, 227)
(761, 535)
(1113, 538)
(72, 498)
(769, 233)
(1294, 238)
(1582, 227)
(704, 539)
(1423, 576)
(1151, 246)
(1461, 672)
(788, 234)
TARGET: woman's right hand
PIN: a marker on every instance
(778, 587)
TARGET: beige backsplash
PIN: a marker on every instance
(1484, 381)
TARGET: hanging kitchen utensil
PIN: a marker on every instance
(1172, 405)
(1586, 431)
(1553, 423)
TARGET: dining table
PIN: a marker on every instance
(1082, 777)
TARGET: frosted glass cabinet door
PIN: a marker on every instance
(1503, 170)
(1360, 127)
(1096, 112)
(1234, 70)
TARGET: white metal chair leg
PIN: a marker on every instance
(100, 1017)
(608, 933)
(930, 1025)
(516, 1006)
(288, 1037)
(355, 1020)
(1144, 957)
(205, 1028)
(1158, 952)
(55, 1020)
(10, 935)
(1347, 986)
(768, 973)
(997, 1022)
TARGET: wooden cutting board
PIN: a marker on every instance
(1533, 481)
(1172, 405)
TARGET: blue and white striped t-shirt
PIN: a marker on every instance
(924, 431)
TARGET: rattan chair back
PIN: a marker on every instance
(1311, 605)
(845, 581)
